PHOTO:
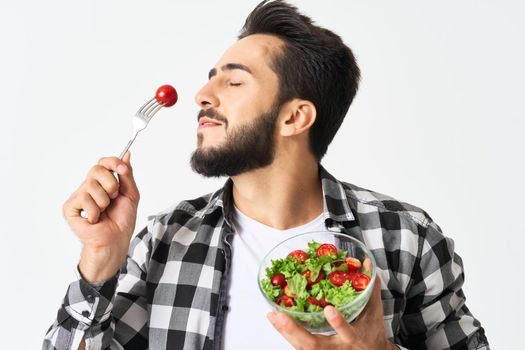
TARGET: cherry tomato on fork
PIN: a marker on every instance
(166, 95)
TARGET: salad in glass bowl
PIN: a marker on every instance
(303, 274)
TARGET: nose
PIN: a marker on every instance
(206, 97)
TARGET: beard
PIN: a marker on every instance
(248, 147)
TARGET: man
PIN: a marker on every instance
(272, 105)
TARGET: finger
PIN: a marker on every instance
(367, 265)
(344, 330)
(373, 310)
(105, 178)
(99, 194)
(128, 186)
(294, 334)
(82, 201)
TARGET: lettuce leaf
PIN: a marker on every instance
(341, 295)
(271, 291)
(297, 286)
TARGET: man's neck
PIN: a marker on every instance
(280, 195)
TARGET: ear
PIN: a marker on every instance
(299, 116)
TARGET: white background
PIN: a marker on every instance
(438, 123)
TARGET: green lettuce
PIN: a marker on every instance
(342, 295)
(271, 291)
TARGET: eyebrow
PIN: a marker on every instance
(227, 67)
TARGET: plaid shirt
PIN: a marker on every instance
(172, 292)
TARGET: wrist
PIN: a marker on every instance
(100, 264)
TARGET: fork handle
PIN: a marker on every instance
(130, 142)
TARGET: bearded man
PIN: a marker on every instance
(273, 103)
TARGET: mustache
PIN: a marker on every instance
(212, 114)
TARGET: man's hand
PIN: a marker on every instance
(112, 210)
(367, 332)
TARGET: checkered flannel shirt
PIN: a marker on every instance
(172, 292)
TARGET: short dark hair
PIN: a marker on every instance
(314, 65)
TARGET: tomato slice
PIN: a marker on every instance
(300, 255)
(338, 278)
(351, 275)
(360, 282)
(307, 274)
(353, 264)
(326, 249)
(278, 280)
(312, 300)
(323, 303)
(284, 300)
(166, 95)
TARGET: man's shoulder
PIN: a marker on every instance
(364, 201)
(187, 209)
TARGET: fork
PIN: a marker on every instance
(140, 121)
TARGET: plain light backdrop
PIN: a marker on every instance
(438, 122)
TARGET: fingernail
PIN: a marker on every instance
(329, 312)
(281, 318)
(271, 317)
(121, 169)
(114, 195)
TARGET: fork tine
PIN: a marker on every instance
(145, 106)
(152, 112)
(150, 107)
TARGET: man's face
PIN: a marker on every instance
(238, 114)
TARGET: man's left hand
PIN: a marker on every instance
(366, 332)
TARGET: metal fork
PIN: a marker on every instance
(140, 121)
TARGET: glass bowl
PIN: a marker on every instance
(315, 322)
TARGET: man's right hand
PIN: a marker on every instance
(111, 207)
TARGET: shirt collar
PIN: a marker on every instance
(336, 202)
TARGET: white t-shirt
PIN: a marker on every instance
(246, 324)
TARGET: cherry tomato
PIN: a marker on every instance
(354, 264)
(284, 300)
(307, 274)
(300, 255)
(312, 300)
(323, 303)
(326, 249)
(278, 280)
(166, 95)
(360, 282)
(351, 275)
(338, 278)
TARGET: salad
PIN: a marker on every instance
(309, 280)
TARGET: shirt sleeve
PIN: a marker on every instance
(106, 315)
(436, 316)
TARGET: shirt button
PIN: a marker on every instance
(225, 308)
(85, 313)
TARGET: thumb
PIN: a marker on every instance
(128, 187)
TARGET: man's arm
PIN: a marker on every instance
(102, 314)
(436, 316)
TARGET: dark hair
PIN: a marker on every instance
(314, 65)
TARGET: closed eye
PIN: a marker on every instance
(235, 84)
